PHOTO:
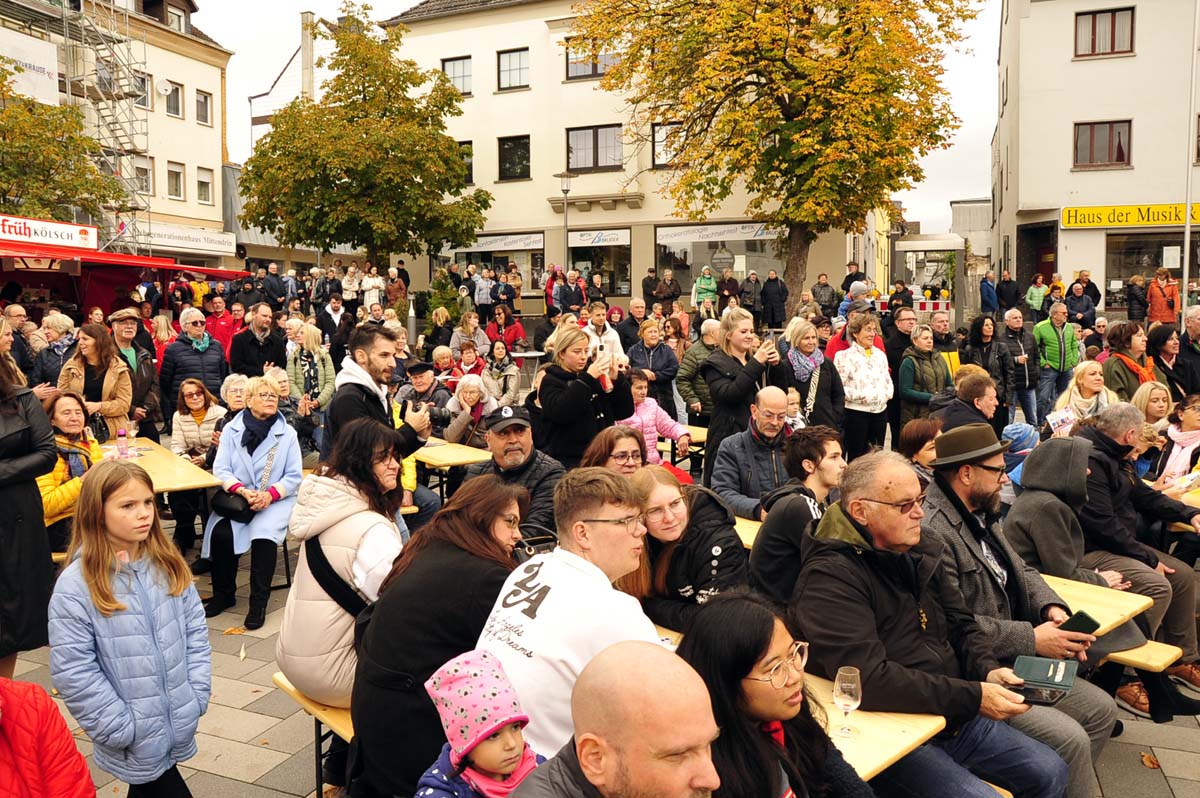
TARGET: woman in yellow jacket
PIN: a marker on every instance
(98, 373)
(77, 452)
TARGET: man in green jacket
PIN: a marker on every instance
(1058, 350)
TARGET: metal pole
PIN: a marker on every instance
(567, 232)
(1191, 157)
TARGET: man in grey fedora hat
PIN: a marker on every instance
(1011, 602)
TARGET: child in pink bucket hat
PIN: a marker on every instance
(485, 755)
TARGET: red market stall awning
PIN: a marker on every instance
(14, 250)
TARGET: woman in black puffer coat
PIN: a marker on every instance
(983, 348)
(692, 549)
(578, 400)
(1137, 304)
(734, 373)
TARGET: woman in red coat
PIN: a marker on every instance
(1163, 293)
(38, 757)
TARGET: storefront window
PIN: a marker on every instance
(686, 258)
(612, 262)
(1127, 254)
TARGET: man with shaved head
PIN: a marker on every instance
(559, 610)
(866, 599)
(621, 750)
(749, 465)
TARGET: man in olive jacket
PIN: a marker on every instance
(865, 599)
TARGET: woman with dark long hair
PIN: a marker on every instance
(431, 608)
(772, 743)
(984, 349)
(1177, 373)
(98, 373)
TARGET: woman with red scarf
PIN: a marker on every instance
(1126, 367)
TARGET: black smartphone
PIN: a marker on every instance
(1080, 622)
(1041, 696)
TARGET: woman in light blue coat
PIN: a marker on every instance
(129, 650)
(258, 459)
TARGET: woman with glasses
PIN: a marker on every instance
(693, 552)
(773, 741)
(1182, 450)
(432, 607)
(619, 448)
(196, 355)
(259, 460)
(192, 426)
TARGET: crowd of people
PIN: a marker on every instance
(504, 641)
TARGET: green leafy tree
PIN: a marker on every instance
(370, 165)
(47, 165)
(819, 110)
(442, 294)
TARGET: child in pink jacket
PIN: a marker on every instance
(652, 421)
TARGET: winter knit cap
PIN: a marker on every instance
(474, 699)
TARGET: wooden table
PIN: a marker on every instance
(437, 453)
(336, 718)
(1109, 607)
(881, 738)
(699, 436)
(169, 472)
(747, 530)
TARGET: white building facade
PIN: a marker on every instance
(1092, 149)
(532, 111)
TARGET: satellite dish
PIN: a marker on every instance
(163, 86)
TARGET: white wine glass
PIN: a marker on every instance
(847, 695)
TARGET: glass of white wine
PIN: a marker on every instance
(847, 695)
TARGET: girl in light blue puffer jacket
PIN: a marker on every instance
(129, 645)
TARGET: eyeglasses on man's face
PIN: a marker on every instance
(777, 677)
(630, 522)
(905, 507)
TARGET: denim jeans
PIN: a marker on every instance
(983, 749)
(1051, 383)
(1027, 397)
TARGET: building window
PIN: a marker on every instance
(664, 150)
(512, 67)
(204, 108)
(468, 159)
(104, 76)
(1104, 32)
(1102, 144)
(176, 19)
(143, 96)
(175, 100)
(143, 169)
(514, 158)
(459, 72)
(174, 180)
(582, 66)
(204, 186)
(594, 148)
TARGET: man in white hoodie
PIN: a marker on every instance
(361, 390)
(559, 610)
(602, 336)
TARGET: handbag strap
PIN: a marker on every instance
(811, 400)
(266, 474)
(335, 586)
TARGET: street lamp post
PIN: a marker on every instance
(565, 182)
(1191, 155)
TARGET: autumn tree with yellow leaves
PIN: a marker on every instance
(819, 110)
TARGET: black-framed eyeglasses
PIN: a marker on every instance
(777, 677)
(1186, 408)
(199, 323)
(993, 469)
(905, 507)
(629, 522)
(626, 457)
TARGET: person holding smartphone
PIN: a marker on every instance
(575, 382)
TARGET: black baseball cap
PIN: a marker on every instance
(504, 417)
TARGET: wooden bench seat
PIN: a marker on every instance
(337, 719)
(1151, 656)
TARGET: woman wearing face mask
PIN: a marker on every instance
(773, 741)
(77, 452)
(693, 552)
(99, 373)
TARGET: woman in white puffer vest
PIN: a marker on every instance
(348, 505)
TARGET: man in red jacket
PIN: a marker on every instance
(38, 757)
(222, 326)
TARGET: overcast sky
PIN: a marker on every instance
(961, 172)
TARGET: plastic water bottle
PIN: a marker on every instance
(122, 444)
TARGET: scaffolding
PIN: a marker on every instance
(102, 70)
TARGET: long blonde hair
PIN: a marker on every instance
(90, 538)
(163, 333)
(733, 317)
(9, 369)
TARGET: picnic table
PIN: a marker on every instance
(1109, 607)
(881, 738)
(168, 471)
(442, 456)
